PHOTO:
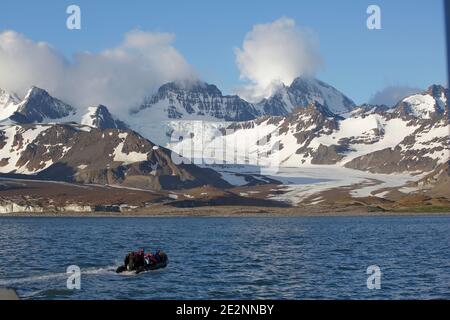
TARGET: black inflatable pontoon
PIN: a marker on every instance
(136, 261)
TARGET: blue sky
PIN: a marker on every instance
(408, 51)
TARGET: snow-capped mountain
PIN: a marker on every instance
(181, 105)
(195, 101)
(202, 101)
(423, 126)
(301, 93)
(39, 106)
(371, 138)
(8, 104)
(425, 105)
(175, 104)
(412, 136)
(100, 117)
(79, 153)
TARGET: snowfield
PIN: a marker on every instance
(127, 158)
(395, 130)
(423, 105)
(11, 152)
(304, 182)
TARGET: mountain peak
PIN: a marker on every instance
(196, 100)
(301, 92)
(8, 104)
(100, 117)
(36, 91)
(314, 105)
(39, 105)
(302, 81)
(437, 90)
(424, 105)
(64, 152)
(316, 108)
(7, 97)
(191, 86)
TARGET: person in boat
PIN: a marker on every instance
(138, 259)
(151, 258)
(158, 255)
(148, 258)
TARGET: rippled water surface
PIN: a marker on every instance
(229, 258)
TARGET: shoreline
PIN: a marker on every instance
(230, 212)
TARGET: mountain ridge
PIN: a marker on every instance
(79, 153)
(200, 100)
(364, 137)
(371, 138)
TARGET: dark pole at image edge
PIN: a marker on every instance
(447, 24)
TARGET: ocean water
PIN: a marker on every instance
(229, 258)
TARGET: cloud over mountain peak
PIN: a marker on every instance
(276, 52)
(117, 77)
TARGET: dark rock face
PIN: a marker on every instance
(391, 160)
(88, 155)
(101, 118)
(200, 99)
(438, 92)
(275, 105)
(312, 122)
(38, 105)
(328, 154)
(367, 109)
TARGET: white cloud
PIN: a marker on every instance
(391, 95)
(274, 52)
(118, 77)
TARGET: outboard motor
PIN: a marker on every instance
(163, 256)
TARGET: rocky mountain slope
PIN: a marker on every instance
(38, 106)
(100, 117)
(423, 128)
(301, 93)
(413, 136)
(83, 154)
(193, 101)
(329, 152)
(202, 101)
(173, 105)
(437, 182)
(180, 106)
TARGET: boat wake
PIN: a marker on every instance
(54, 276)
